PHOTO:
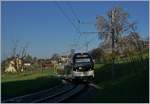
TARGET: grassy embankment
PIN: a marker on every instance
(23, 83)
(131, 83)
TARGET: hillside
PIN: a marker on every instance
(131, 83)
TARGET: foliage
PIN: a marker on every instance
(97, 54)
(117, 18)
(111, 29)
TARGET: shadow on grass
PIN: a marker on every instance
(18, 88)
(131, 83)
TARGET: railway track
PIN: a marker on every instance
(52, 95)
(62, 96)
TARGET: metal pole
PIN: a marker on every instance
(113, 58)
(113, 32)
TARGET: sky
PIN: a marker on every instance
(49, 27)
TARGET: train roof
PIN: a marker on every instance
(83, 55)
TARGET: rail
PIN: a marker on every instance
(52, 95)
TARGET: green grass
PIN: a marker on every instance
(131, 83)
(19, 84)
(6, 77)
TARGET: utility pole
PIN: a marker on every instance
(113, 41)
(87, 45)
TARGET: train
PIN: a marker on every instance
(82, 66)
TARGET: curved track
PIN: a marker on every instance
(56, 94)
(61, 96)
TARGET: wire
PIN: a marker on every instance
(73, 12)
(69, 20)
(67, 17)
(76, 17)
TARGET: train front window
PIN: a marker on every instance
(82, 61)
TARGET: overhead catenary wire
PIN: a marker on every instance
(69, 20)
(77, 19)
(76, 27)
(73, 12)
(67, 17)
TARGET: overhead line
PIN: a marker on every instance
(69, 20)
(67, 17)
(73, 12)
(76, 17)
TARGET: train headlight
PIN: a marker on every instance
(80, 67)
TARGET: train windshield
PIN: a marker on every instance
(82, 61)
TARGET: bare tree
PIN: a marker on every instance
(18, 54)
(112, 27)
(15, 47)
(98, 54)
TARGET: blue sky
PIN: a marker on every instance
(47, 31)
